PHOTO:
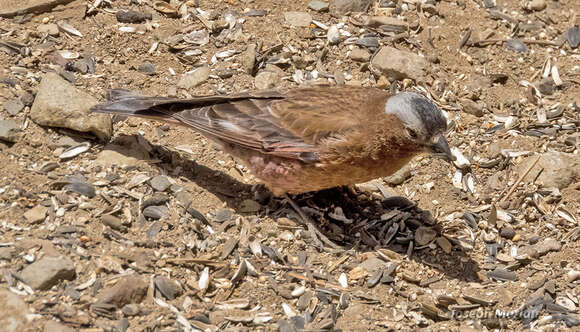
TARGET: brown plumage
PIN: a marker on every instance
(305, 139)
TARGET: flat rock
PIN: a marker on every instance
(298, 19)
(9, 131)
(318, 6)
(36, 214)
(21, 7)
(266, 80)
(48, 271)
(52, 326)
(558, 169)
(14, 312)
(13, 106)
(248, 59)
(129, 289)
(399, 64)
(342, 7)
(51, 29)
(125, 152)
(372, 264)
(194, 78)
(7, 252)
(59, 104)
(360, 54)
(160, 183)
(471, 107)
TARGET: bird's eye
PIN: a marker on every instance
(412, 133)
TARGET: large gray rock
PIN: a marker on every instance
(14, 312)
(399, 64)
(48, 272)
(341, 7)
(59, 104)
(558, 169)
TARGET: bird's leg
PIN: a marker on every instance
(310, 225)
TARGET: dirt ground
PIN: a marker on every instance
(443, 246)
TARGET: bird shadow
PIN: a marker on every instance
(351, 219)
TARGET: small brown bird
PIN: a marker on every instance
(305, 139)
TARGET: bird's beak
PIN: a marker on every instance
(440, 148)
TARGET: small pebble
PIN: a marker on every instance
(507, 232)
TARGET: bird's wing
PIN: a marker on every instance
(286, 123)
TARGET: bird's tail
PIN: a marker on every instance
(128, 103)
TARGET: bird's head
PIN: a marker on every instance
(423, 120)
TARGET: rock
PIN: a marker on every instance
(298, 19)
(132, 16)
(223, 215)
(399, 64)
(156, 212)
(125, 154)
(14, 317)
(541, 248)
(507, 232)
(547, 86)
(27, 98)
(9, 131)
(160, 183)
(59, 104)
(21, 7)
(537, 5)
(80, 66)
(471, 107)
(129, 289)
(51, 29)
(444, 244)
(193, 78)
(13, 106)
(266, 80)
(424, 235)
(156, 199)
(113, 222)
(48, 271)
(341, 7)
(249, 206)
(170, 289)
(7, 252)
(360, 54)
(372, 264)
(318, 6)
(131, 309)
(184, 198)
(36, 214)
(558, 169)
(399, 176)
(377, 21)
(147, 68)
(52, 326)
(573, 37)
(248, 59)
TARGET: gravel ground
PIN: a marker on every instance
(113, 224)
